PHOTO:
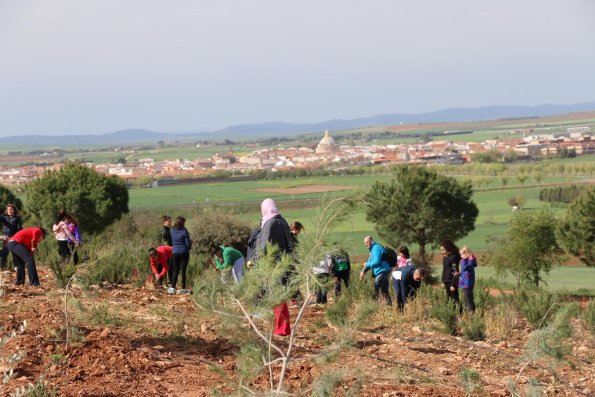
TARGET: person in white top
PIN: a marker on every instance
(62, 234)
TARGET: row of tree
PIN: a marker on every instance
(561, 194)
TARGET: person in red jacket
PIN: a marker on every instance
(160, 258)
(23, 246)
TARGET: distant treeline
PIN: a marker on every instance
(563, 194)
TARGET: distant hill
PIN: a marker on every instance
(285, 129)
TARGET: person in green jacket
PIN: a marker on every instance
(230, 262)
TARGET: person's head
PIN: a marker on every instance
(296, 228)
(268, 208)
(368, 241)
(404, 252)
(465, 252)
(419, 274)
(70, 219)
(180, 222)
(11, 210)
(447, 247)
(167, 220)
(60, 216)
(152, 252)
(216, 250)
(42, 233)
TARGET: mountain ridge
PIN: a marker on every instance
(280, 128)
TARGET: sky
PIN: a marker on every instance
(89, 67)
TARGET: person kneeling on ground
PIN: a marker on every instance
(230, 261)
(380, 268)
(23, 246)
(159, 258)
(409, 279)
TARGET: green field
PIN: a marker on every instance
(494, 211)
(567, 278)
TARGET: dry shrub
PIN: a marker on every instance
(501, 321)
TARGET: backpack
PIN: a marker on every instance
(390, 256)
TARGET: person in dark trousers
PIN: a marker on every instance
(450, 270)
(403, 260)
(181, 245)
(160, 258)
(24, 245)
(380, 268)
(75, 230)
(11, 224)
(62, 235)
(165, 232)
(467, 277)
(341, 270)
(294, 229)
(409, 279)
(322, 272)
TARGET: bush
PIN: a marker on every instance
(501, 320)
(217, 227)
(537, 307)
(447, 315)
(470, 381)
(474, 328)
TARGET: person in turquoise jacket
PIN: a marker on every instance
(379, 266)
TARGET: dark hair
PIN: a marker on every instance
(405, 251)
(42, 231)
(72, 219)
(14, 208)
(152, 251)
(297, 226)
(180, 222)
(166, 218)
(449, 246)
(60, 216)
(214, 249)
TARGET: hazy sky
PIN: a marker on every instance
(72, 66)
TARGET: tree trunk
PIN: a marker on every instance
(422, 255)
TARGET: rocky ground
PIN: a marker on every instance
(136, 341)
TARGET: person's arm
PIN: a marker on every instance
(5, 222)
(263, 238)
(226, 262)
(164, 266)
(455, 272)
(35, 240)
(188, 242)
(153, 266)
(19, 225)
(66, 230)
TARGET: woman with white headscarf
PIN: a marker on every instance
(273, 229)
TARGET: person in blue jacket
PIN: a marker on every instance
(409, 279)
(467, 277)
(379, 266)
(181, 245)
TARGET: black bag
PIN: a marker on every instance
(390, 256)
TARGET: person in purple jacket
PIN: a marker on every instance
(467, 277)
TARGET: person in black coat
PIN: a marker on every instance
(450, 270)
(410, 281)
(273, 229)
(11, 223)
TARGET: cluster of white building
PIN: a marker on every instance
(329, 153)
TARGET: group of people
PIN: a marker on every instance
(21, 243)
(68, 236)
(170, 260)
